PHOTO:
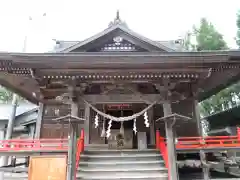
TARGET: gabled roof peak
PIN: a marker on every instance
(117, 21)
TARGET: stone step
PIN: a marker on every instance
(122, 169)
(119, 152)
(102, 175)
(123, 175)
(121, 159)
(123, 165)
(120, 162)
(154, 178)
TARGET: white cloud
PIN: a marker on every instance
(77, 20)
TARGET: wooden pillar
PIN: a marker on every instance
(2, 132)
(31, 129)
(11, 118)
(196, 116)
(86, 124)
(172, 160)
(72, 139)
(152, 126)
(39, 121)
(10, 125)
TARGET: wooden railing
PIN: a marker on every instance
(62, 144)
(80, 149)
(33, 145)
(54, 145)
(209, 142)
(161, 146)
(196, 143)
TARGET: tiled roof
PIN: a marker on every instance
(62, 45)
(6, 109)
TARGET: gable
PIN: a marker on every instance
(106, 41)
(115, 41)
(117, 44)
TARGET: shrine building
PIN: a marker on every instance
(120, 73)
(120, 83)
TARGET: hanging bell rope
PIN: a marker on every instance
(119, 119)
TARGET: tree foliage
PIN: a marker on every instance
(238, 29)
(6, 96)
(208, 38)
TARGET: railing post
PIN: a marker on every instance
(82, 139)
(238, 133)
(157, 139)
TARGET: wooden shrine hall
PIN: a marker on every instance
(119, 82)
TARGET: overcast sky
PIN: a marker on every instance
(80, 19)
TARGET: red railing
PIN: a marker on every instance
(25, 145)
(33, 145)
(207, 142)
(193, 143)
(161, 146)
(80, 149)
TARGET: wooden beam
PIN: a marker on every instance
(122, 98)
(20, 91)
(115, 98)
(39, 120)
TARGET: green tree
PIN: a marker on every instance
(6, 96)
(238, 29)
(207, 37)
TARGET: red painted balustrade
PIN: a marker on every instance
(33, 145)
(42, 145)
(22, 145)
(80, 149)
(161, 146)
(209, 142)
(194, 143)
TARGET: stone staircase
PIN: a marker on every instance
(125, 164)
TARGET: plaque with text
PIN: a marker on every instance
(47, 168)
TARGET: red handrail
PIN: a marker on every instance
(183, 143)
(80, 149)
(161, 146)
(197, 143)
(33, 144)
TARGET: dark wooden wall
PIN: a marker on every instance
(51, 130)
(187, 128)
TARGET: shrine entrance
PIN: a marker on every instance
(121, 128)
(124, 128)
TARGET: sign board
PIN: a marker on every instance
(118, 106)
(47, 168)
